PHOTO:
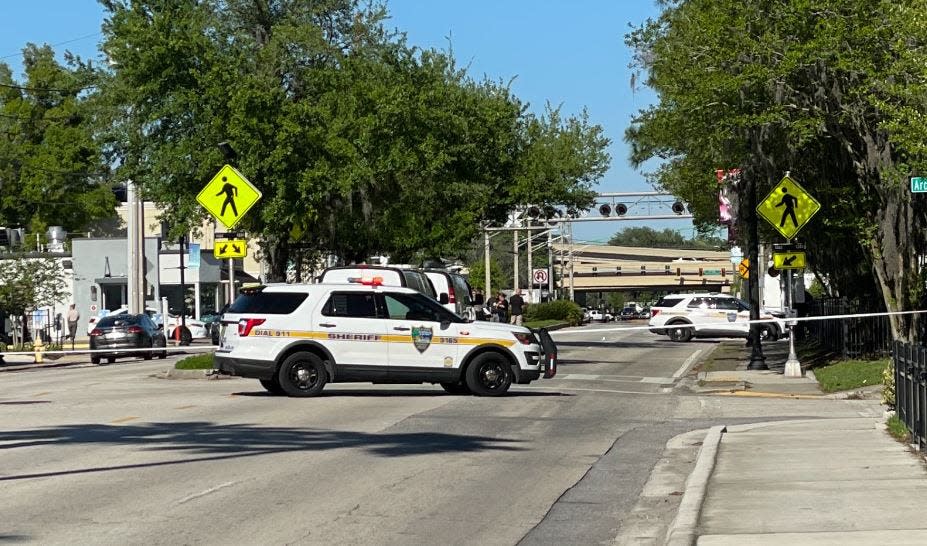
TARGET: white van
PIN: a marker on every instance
(453, 291)
(389, 276)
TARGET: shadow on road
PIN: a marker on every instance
(214, 442)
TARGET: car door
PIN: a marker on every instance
(355, 334)
(420, 343)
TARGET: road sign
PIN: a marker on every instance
(918, 184)
(230, 248)
(788, 207)
(789, 260)
(744, 268)
(539, 276)
(736, 255)
(228, 196)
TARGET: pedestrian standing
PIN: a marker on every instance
(517, 306)
(501, 308)
(73, 317)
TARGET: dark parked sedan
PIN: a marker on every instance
(117, 333)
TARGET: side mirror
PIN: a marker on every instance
(443, 299)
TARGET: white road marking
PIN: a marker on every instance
(206, 492)
(685, 365)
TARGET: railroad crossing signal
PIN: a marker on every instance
(744, 268)
(230, 248)
(788, 207)
(540, 276)
(789, 260)
(228, 196)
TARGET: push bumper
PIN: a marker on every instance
(243, 367)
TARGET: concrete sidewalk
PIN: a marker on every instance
(824, 481)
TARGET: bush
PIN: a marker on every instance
(555, 310)
(888, 384)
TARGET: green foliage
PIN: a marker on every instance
(52, 171)
(360, 143)
(645, 236)
(888, 384)
(195, 362)
(546, 323)
(616, 300)
(28, 283)
(497, 279)
(850, 374)
(898, 429)
(831, 91)
(561, 310)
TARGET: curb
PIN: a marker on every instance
(681, 531)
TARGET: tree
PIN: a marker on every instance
(30, 283)
(51, 169)
(830, 91)
(360, 143)
(645, 236)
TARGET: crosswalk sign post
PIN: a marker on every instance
(228, 196)
(788, 207)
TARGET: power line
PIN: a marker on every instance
(72, 40)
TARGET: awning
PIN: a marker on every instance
(112, 281)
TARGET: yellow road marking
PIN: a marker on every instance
(125, 419)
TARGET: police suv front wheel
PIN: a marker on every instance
(302, 374)
(490, 374)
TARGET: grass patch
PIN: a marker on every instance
(897, 429)
(543, 323)
(195, 362)
(850, 374)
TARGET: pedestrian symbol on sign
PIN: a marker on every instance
(231, 192)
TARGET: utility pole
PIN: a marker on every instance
(135, 268)
(572, 290)
(486, 263)
(530, 275)
(550, 264)
(757, 359)
(515, 257)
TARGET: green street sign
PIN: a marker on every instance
(918, 184)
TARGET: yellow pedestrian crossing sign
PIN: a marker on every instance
(788, 207)
(228, 196)
(230, 248)
(789, 260)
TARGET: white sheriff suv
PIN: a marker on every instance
(684, 316)
(295, 338)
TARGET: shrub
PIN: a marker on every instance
(555, 310)
(888, 384)
(195, 362)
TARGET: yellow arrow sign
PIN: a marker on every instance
(789, 260)
(788, 207)
(228, 196)
(230, 248)
(744, 268)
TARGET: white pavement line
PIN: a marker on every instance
(206, 492)
(682, 531)
(685, 365)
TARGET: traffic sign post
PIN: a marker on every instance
(788, 207)
(228, 196)
(230, 249)
(789, 260)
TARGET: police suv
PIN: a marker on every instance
(295, 338)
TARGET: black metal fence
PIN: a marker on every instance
(911, 389)
(848, 337)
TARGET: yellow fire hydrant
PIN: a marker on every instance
(38, 346)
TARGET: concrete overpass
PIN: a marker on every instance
(604, 268)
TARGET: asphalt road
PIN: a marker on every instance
(113, 454)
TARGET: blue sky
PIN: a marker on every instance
(567, 53)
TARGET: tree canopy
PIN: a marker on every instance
(645, 236)
(832, 91)
(360, 143)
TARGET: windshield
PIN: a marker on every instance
(401, 306)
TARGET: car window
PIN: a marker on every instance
(417, 307)
(117, 320)
(698, 302)
(268, 303)
(668, 301)
(351, 304)
(728, 304)
(461, 290)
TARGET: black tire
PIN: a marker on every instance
(163, 354)
(679, 333)
(272, 386)
(186, 336)
(490, 374)
(110, 359)
(302, 374)
(456, 388)
(147, 355)
(94, 360)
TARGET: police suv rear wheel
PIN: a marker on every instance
(272, 386)
(302, 374)
(489, 374)
(456, 388)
